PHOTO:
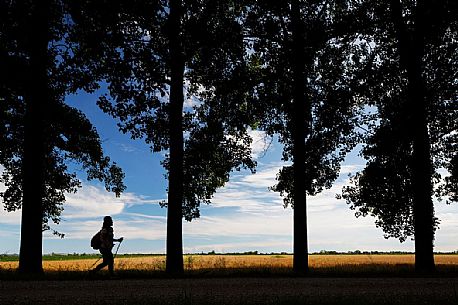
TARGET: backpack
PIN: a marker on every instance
(96, 241)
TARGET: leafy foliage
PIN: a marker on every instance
(70, 137)
(333, 61)
(136, 59)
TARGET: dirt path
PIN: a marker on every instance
(233, 291)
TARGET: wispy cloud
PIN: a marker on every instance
(249, 193)
(93, 201)
(128, 148)
(134, 228)
(350, 169)
(265, 177)
(244, 215)
(9, 218)
(261, 142)
(239, 226)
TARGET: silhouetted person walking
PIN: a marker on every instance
(106, 244)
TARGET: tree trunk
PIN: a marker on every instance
(299, 133)
(422, 188)
(36, 100)
(174, 260)
(422, 162)
(411, 50)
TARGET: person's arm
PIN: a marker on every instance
(119, 239)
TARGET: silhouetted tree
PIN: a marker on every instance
(414, 87)
(39, 133)
(306, 62)
(153, 54)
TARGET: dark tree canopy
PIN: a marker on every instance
(334, 64)
(74, 139)
(136, 61)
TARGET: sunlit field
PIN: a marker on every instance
(362, 279)
(223, 262)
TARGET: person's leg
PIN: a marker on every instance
(106, 259)
(110, 262)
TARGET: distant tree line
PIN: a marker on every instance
(324, 76)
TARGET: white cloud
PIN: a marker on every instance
(244, 215)
(136, 228)
(447, 234)
(93, 201)
(191, 102)
(261, 142)
(90, 202)
(240, 225)
(259, 213)
(350, 169)
(128, 148)
(9, 218)
(246, 209)
(265, 177)
(249, 194)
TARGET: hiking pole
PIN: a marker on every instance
(117, 248)
(90, 268)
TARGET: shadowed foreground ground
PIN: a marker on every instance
(245, 290)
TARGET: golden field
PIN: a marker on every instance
(199, 262)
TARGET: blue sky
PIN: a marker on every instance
(243, 216)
